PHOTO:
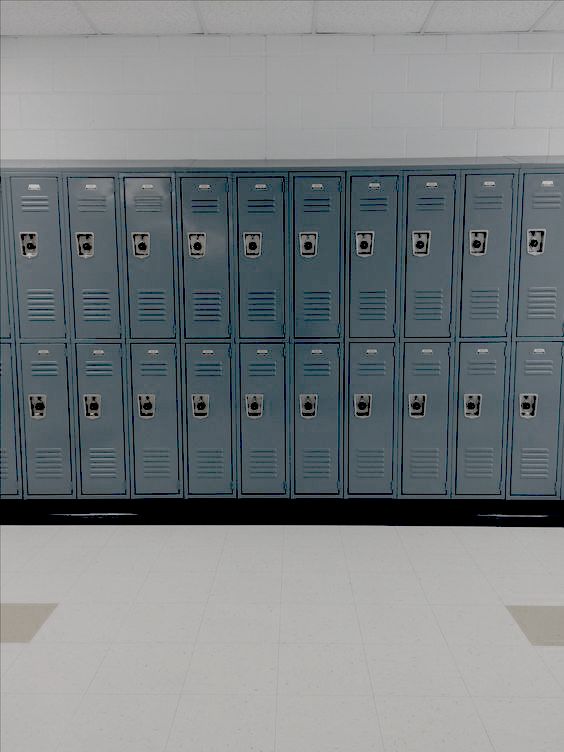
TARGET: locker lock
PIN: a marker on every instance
(308, 405)
(535, 242)
(85, 244)
(417, 403)
(421, 242)
(254, 403)
(362, 405)
(146, 404)
(528, 405)
(364, 243)
(141, 244)
(253, 244)
(308, 244)
(38, 406)
(29, 244)
(197, 244)
(478, 242)
(92, 406)
(472, 405)
(200, 405)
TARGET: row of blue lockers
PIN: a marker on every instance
(307, 419)
(274, 256)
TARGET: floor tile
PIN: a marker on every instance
(523, 725)
(319, 622)
(35, 723)
(528, 589)
(394, 624)
(369, 557)
(247, 587)
(105, 587)
(180, 587)
(316, 587)
(392, 587)
(9, 651)
(185, 558)
(486, 625)
(20, 622)
(127, 560)
(323, 670)
(554, 659)
(455, 587)
(251, 559)
(234, 622)
(61, 559)
(328, 559)
(83, 622)
(83, 535)
(542, 625)
(161, 622)
(221, 669)
(37, 587)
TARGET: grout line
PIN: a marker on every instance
(428, 17)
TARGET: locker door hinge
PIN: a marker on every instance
(283, 351)
(283, 185)
(339, 350)
(339, 330)
(340, 185)
(229, 351)
(397, 184)
(284, 486)
(232, 486)
(229, 330)
(283, 330)
(227, 186)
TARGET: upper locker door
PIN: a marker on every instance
(430, 243)
(541, 273)
(317, 400)
(481, 402)
(536, 415)
(5, 328)
(205, 238)
(373, 256)
(371, 418)
(100, 421)
(150, 257)
(9, 480)
(208, 370)
(155, 419)
(37, 250)
(94, 253)
(425, 418)
(263, 419)
(261, 223)
(45, 407)
(486, 255)
(317, 256)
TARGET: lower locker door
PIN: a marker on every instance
(317, 399)
(9, 480)
(425, 418)
(45, 407)
(481, 402)
(208, 398)
(100, 419)
(263, 419)
(155, 409)
(371, 418)
(536, 415)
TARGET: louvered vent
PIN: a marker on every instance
(151, 306)
(261, 206)
(92, 204)
(370, 463)
(534, 463)
(539, 367)
(428, 305)
(489, 201)
(374, 368)
(204, 206)
(317, 463)
(150, 203)
(320, 204)
(207, 305)
(44, 368)
(4, 464)
(48, 463)
(263, 463)
(40, 305)
(426, 368)
(374, 203)
(316, 369)
(207, 368)
(317, 306)
(99, 368)
(96, 306)
(34, 203)
(424, 463)
(430, 203)
(482, 368)
(372, 305)
(542, 302)
(153, 368)
(547, 200)
(210, 463)
(102, 462)
(157, 463)
(261, 305)
(478, 462)
(484, 304)
(261, 370)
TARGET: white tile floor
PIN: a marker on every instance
(273, 639)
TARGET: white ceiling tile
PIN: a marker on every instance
(554, 19)
(371, 16)
(42, 17)
(476, 16)
(265, 17)
(141, 17)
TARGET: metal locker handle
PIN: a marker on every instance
(84, 244)
(141, 244)
(38, 406)
(29, 244)
(308, 405)
(254, 405)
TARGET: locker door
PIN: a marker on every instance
(155, 428)
(371, 417)
(45, 407)
(373, 257)
(536, 411)
(205, 238)
(94, 253)
(9, 480)
(486, 255)
(541, 282)
(100, 419)
(263, 417)
(317, 399)
(481, 400)
(150, 257)
(261, 242)
(208, 371)
(37, 250)
(425, 418)
(5, 329)
(430, 243)
(317, 256)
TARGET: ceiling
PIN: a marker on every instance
(58, 17)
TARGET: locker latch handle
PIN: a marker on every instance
(200, 405)
(472, 405)
(38, 406)
(308, 244)
(254, 405)
(421, 242)
(92, 406)
(252, 242)
(197, 244)
(417, 405)
(535, 242)
(362, 405)
(308, 405)
(478, 242)
(528, 405)
(147, 405)
(29, 244)
(141, 244)
(364, 243)
(85, 244)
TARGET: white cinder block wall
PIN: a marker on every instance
(282, 96)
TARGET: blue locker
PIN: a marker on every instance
(536, 415)
(373, 256)
(208, 408)
(541, 272)
(425, 418)
(317, 256)
(262, 405)
(44, 404)
(486, 255)
(371, 418)
(101, 419)
(150, 257)
(429, 254)
(9, 475)
(205, 239)
(317, 410)
(5, 328)
(155, 407)
(94, 253)
(261, 242)
(481, 411)
(38, 259)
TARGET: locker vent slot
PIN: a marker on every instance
(4, 464)
(262, 369)
(489, 202)
(317, 306)
(426, 368)
(545, 200)
(92, 204)
(261, 206)
(48, 463)
(152, 368)
(372, 305)
(44, 368)
(424, 463)
(157, 463)
(484, 304)
(148, 203)
(374, 203)
(34, 203)
(210, 463)
(40, 305)
(205, 369)
(207, 305)
(317, 204)
(430, 203)
(317, 463)
(534, 462)
(261, 305)
(102, 462)
(482, 368)
(478, 462)
(96, 305)
(370, 463)
(428, 305)
(205, 206)
(539, 367)
(263, 463)
(316, 369)
(98, 368)
(151, 306)
(378, 368)
(542, 302)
